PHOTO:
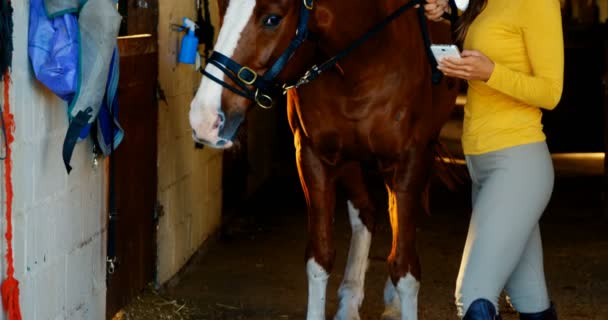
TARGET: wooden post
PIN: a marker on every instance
(604, 35)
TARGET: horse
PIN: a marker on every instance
(374, 102)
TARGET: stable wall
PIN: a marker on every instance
(59, 220)
(190, 179)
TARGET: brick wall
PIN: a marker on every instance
(190, 188)
(59, 220)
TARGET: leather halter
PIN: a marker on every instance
(245, 77)
(261, 88)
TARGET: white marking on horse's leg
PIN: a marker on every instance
(317, 287)
(392, 303)
(351, 291)
(206, 105)
(408, 288)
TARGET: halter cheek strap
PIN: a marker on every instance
(248, 83)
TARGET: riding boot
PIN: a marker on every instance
(548, 314)
(481, 309)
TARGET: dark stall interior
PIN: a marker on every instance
(577, 124)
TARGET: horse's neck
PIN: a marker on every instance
(342, 22)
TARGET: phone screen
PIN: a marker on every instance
(441, 51)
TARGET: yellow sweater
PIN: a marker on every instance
(524, 39)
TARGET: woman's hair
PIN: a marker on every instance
(473, 10)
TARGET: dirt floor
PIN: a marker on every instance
(254, 269)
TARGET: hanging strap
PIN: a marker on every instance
(436, 74)
(206, 32)
(112, 110)
(6, 33)
(79, 122)
(452, 16)
(112, 211)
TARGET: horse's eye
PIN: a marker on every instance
(272, 21)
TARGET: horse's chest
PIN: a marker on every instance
(358, 126)
(357, 140)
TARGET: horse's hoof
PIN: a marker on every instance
(391, 314)
(353, 317)
(347, 316)
(347, 313)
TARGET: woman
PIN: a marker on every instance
(513, 61)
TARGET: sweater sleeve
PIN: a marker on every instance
(543, 38)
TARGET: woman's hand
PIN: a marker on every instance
(434, 9)
(473, 65)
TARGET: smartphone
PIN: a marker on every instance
(441, 51)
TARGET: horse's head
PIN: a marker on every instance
(253, 36)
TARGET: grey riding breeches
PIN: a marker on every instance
(503, 250)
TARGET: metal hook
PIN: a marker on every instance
(308, 4)
(111, 265)
(264, 101)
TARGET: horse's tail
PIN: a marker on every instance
(446, 168)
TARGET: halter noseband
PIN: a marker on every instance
(251, 85)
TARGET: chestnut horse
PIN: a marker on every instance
(378, 104)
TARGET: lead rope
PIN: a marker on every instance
(315, 71)
(10, 285)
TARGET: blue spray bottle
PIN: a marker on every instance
(189, 49)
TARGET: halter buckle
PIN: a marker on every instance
(308, 4)
(263, 100)
(250, 72)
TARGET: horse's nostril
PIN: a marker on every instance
(219, 122)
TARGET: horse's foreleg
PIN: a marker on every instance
(404, 267)
(351, 290)
(320, 253)
(361, 215)
(405, 189)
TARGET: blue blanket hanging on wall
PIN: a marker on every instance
(72, 48)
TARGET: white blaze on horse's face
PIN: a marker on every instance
(206, 116)
(462, 4)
